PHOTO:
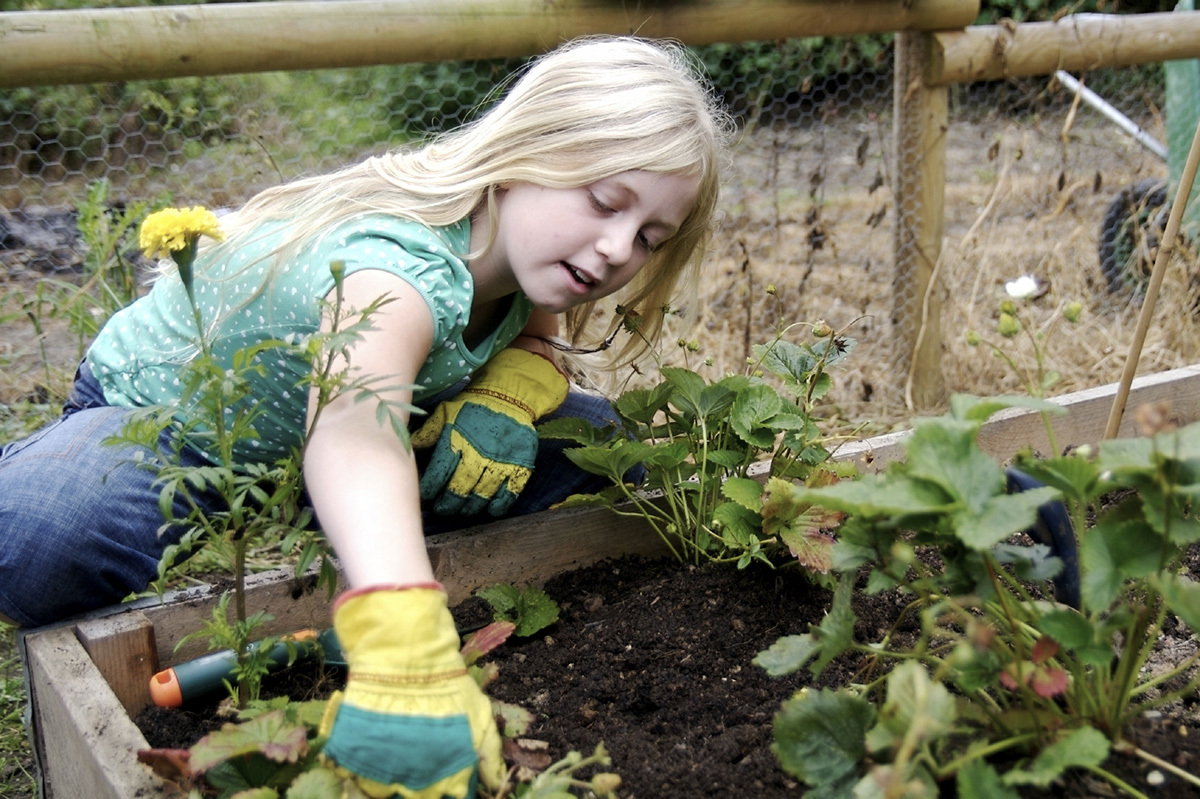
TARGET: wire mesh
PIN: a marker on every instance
(808, 215)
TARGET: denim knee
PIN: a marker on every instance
(80, 525)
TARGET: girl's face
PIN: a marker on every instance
(564, 247)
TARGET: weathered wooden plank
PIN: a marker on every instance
(293, 603)
(85, 741)
(122, 648)
(531, 549)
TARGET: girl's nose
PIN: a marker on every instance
(615, 245)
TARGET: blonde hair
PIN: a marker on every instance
(590, 109)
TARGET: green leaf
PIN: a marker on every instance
(530, 609)
(689, 390)
(502, 597)
(729, 459)
(741, 526)
(917, 710)
(641, 405)
(787, 361)
(999, 517)
(752, 409)
(979, 780)
(836, 630)
(611, 461)
(1082, 748)
(256, 793)
(819, 739)
(316, 783)
(1076, 477)
(1069, 627)
(876, 495)
(270, 735)
(1126, 456)
(1182, 595)
(788, 654)
(980, 409)
(744, 491)
(944, 452)
(1112, 552)
(571, 428)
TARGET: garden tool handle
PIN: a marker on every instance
(190, 679)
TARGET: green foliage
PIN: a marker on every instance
(16, 754)
(557, 780)
(109, 282)
(753, 75)
(529, 609)
(698, 440)
(994, 663)
(260, 503)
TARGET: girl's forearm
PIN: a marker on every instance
(367, 502)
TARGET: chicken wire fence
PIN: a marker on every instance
(808, 213)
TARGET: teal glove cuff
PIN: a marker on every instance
(413, 751)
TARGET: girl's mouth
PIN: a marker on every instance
(579, 277)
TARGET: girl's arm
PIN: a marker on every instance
(360, 477)
(533, 337)
(394, 625)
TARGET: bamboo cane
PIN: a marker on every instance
(1165, 249)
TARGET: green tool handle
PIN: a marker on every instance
(185, 681)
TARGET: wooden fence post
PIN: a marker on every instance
(920, 121)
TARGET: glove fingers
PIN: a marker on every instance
(451, 503)
(502, 502)
(430, 432)
(441, 467)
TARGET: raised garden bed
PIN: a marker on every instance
(89, 677)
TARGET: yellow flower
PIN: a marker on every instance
(174, 230)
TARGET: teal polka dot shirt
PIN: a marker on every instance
(244, 301)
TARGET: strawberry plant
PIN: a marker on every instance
(699, 441)
(1002, 686)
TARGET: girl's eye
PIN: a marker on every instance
(645, 243)
(599, 205)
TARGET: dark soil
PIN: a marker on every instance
(654, 660)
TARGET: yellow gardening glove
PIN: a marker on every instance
(484, 439)
(411, 722)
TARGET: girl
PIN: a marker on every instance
(596, 174)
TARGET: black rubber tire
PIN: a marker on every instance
(1130, 233)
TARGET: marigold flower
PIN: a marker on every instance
(173, 230)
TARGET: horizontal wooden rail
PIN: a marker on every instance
(1075, 43)
(40, 48)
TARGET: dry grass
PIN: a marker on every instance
(809, 212)
(1018, 201)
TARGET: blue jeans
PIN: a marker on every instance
(80, 525)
